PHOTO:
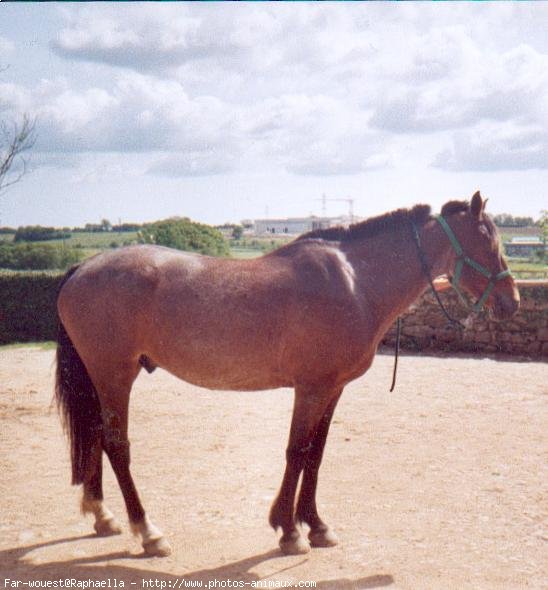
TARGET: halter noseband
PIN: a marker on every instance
(462, 259)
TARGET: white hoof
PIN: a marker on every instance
(154, 542)
(157, 547)
(105, 523)
(323, 538)
(294, 545)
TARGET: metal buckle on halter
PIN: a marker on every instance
(462, 259)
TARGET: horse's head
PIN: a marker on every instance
(479, 265)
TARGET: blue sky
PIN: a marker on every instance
(221, 112)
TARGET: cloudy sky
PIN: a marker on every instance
(228, 111)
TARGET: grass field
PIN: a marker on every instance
(245, 253)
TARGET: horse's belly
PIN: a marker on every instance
(234, 376)
(231, 382)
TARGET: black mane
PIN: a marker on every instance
(394, 220)
(419, 214)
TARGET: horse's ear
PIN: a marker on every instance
(477, 204)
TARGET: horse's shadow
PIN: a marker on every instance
(15, 567)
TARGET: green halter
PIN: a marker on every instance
(462, 260)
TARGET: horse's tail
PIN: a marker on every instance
(77, 401)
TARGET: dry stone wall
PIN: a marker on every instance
(426, 328)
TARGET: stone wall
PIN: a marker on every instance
(426, 328)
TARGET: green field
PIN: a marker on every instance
(245, 253)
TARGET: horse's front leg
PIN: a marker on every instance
(310, 405)
(320, 534)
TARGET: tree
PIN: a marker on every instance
(15, 140)
(543, 223)
(507, 220)
(106, 225)
(184, 234)
(237, 232)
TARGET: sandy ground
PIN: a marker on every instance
(441, 484)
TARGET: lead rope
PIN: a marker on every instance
(396, 354)
(450, 319)
(426, 271)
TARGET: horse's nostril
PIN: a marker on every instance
(506, 306)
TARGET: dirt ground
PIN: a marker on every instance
(441, 484)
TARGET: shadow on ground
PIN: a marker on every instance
(97, 568)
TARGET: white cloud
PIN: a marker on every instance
(208, 162)
(495, 148)
(6, 49)
(158, 38)
(317, 135)
(314, 135)
(312, 89)
(139, 114)
(479, 85)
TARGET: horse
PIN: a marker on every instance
(309, 315)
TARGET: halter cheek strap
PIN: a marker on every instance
(462, 259)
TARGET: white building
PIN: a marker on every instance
(525, 246)
(294, 226)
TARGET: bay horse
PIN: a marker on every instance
(308, 315)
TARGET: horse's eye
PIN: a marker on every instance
(483, 230)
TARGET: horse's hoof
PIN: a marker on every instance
(294, 545)
(323, 538)
(107, 527)
(157, 547)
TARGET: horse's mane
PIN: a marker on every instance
(419, 215)
(373, 226)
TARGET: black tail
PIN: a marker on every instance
(77, 401)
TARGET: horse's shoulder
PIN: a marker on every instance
(320, 262)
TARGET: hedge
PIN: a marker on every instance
(28, 306)
(31, 256)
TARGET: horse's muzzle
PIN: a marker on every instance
(505, 306)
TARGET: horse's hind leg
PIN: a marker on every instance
(320, 534)
(113, 388)
(92, 500)
(310, 405)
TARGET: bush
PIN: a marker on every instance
(127, 227)
(28, 306)
(37, 233)
(38, 256)
(183, 234)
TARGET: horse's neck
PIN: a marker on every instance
(389, 270)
